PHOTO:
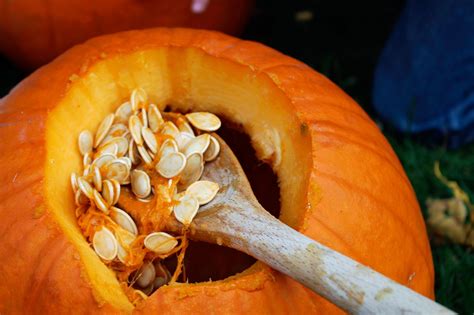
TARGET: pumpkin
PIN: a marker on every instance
(339, 179)
(34, 32)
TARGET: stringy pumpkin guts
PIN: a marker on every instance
(140, 168)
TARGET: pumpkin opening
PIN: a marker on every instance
(191, 81)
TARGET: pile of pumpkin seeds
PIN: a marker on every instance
(129, 146)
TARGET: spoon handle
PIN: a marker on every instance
(341, 280)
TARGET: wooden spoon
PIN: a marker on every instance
(236, 219)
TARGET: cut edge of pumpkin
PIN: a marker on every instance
(185, 78)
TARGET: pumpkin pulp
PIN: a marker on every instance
(190, 81)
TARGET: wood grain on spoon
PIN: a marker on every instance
(235, 219)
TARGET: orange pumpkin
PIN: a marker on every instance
(340, 181)
(34, 32)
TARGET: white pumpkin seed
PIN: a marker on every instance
(120, 142)
(146, 275)
(127, 161)
(118, 129)
(100, 202)
(74, 182)
(193, 170)
(168, 146)
(133, 152)
(212, 151)
(183, 139)
(143, 117)
(103, 129)
(138, 98)
(144, 154)
(160, 242)
(154, 118)
(123, 112)
(107, 148)
(198, 144)
(150, 139)
(103, 160)
(105, 244)
(97, 179)
(135, 127)
(141, 185)
(108, 192)
(116, 185)
(171, 164)
(123, 219)
(85, 187)
(204, 191)
(168, 128)
(80, 198)
(204, 121)
(118, 170)
(186, 209)
(183, 126)
(86, 160)
(86, 141)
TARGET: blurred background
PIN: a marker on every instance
(345, 41)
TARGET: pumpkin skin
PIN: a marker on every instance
(35, 32)
(351, 192)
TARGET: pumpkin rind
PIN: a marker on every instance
(359, 201)
(34, 32)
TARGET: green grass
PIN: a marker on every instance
(454, 264)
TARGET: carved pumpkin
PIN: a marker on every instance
(339, 179)
(34, 32)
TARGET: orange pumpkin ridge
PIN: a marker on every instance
(340, 181)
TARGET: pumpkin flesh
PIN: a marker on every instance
(298, 122)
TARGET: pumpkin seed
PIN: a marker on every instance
(123, 112)
(123, 219)
(204, 121)
(168, 128)
(212, 151)
(108, 192)
(135, 126)
(116, 185)
(150, 139)
(80, 198)
(87, 169)
(124, 240)
(183, 139)
(118, 170)
(143, 117)
(120, 142)
(86, 140)
(183, 126)
(146, 275)
(85, 187)
(138, 98)
(118, 129)
(160, 242)
(144, 154)
(74, 182)
(126, 160)
(198, 144)
(193, 170)
(100, 202)
(186, 209)
(141, 185)
(204, 191)
(105, 244)
(154, 118)
(86, 160)
(163, 276)
(133, 153)
(97, 179)
(107, 148)
(171, 164)
(103, 160)
(103, 129)
(168, 146)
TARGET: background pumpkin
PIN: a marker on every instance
(351, 193)
(33, 32)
